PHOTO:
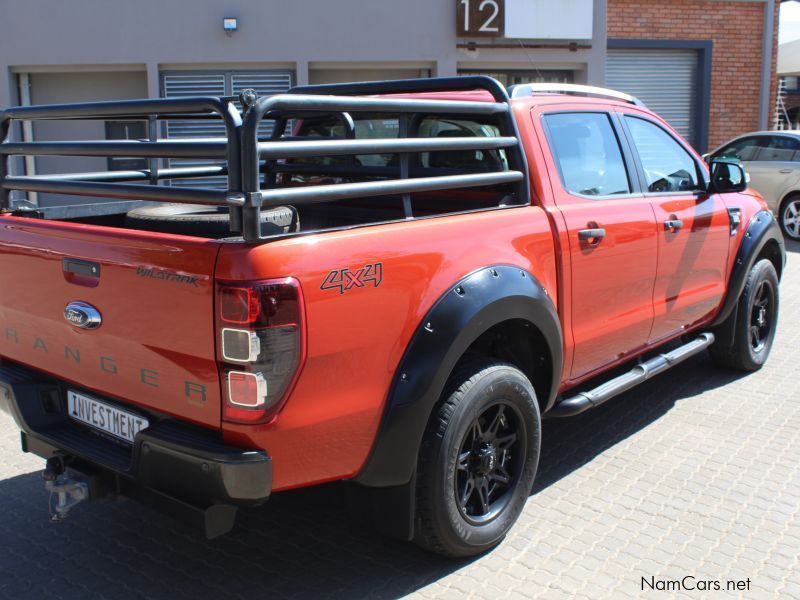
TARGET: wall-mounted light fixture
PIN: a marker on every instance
(230, 24)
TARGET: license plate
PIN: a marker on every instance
(118, 423)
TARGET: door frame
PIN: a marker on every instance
(698, 195)
(538, 120)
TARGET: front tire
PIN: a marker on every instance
(751, 327)
(478, 459)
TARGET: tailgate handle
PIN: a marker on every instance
(81, 272)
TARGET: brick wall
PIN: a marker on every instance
(736, 29)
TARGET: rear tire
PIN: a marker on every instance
(478, 459)
(746, 337)
(789, 217)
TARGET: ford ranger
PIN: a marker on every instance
(388, 284)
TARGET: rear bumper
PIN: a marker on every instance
(170, 460)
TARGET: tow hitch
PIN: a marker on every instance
(68, 492)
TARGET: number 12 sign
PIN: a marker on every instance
(480, 18)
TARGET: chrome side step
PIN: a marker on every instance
(639, 374)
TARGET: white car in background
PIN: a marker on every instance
(772, 160)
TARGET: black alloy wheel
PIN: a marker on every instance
(489, 463)
(744, 339)
(478, 458)
(762, 316)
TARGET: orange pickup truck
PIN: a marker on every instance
(387, 283)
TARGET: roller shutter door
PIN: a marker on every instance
(665, 80)
(228, 83)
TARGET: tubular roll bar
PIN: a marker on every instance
(387, 146)
(244, 153)
(106, 184)
(144, 174)
(334, 98)
(186, 148)
(339, 191)
(155, 193)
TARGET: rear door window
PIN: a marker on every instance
(365, 127)
(382, 127)
(474, 160)
(317, 170)
(779, 149)
(588, 154)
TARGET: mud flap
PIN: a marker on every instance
(390, 510)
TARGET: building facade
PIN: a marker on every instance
(735, 44)
(788, 107)
(706, 65)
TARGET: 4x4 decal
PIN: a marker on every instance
(345, 279)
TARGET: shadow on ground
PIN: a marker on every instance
(302, 544)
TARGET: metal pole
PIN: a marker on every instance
(5, 196)
(27, 132)
(152, 133)
(407, 211)
(766, 64)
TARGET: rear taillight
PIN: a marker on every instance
(261, 346)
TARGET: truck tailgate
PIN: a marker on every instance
(155, 293)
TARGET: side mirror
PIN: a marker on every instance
(727, 176)
(706, 156)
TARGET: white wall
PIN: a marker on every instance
(546, 19)
(44, 34)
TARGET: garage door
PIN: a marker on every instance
(665, 80)
(216, 83)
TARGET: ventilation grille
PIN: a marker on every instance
(181, 85)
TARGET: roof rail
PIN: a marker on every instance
(529, 89)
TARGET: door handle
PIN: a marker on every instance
(785, 171)
(673, 224)
(592, 235)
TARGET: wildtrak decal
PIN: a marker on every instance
(167, 276)
(346, 279)
(194, 392)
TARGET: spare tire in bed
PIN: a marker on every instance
(205, 221)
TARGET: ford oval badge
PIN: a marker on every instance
(83, 315)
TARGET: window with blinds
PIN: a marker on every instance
(229, 83)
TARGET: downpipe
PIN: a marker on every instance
(639, 374)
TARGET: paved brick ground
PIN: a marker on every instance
(695, 473)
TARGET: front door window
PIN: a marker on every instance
(667, 166)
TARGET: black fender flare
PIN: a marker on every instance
(761, 229)
(469, 308)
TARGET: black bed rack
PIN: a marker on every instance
(248, 160)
